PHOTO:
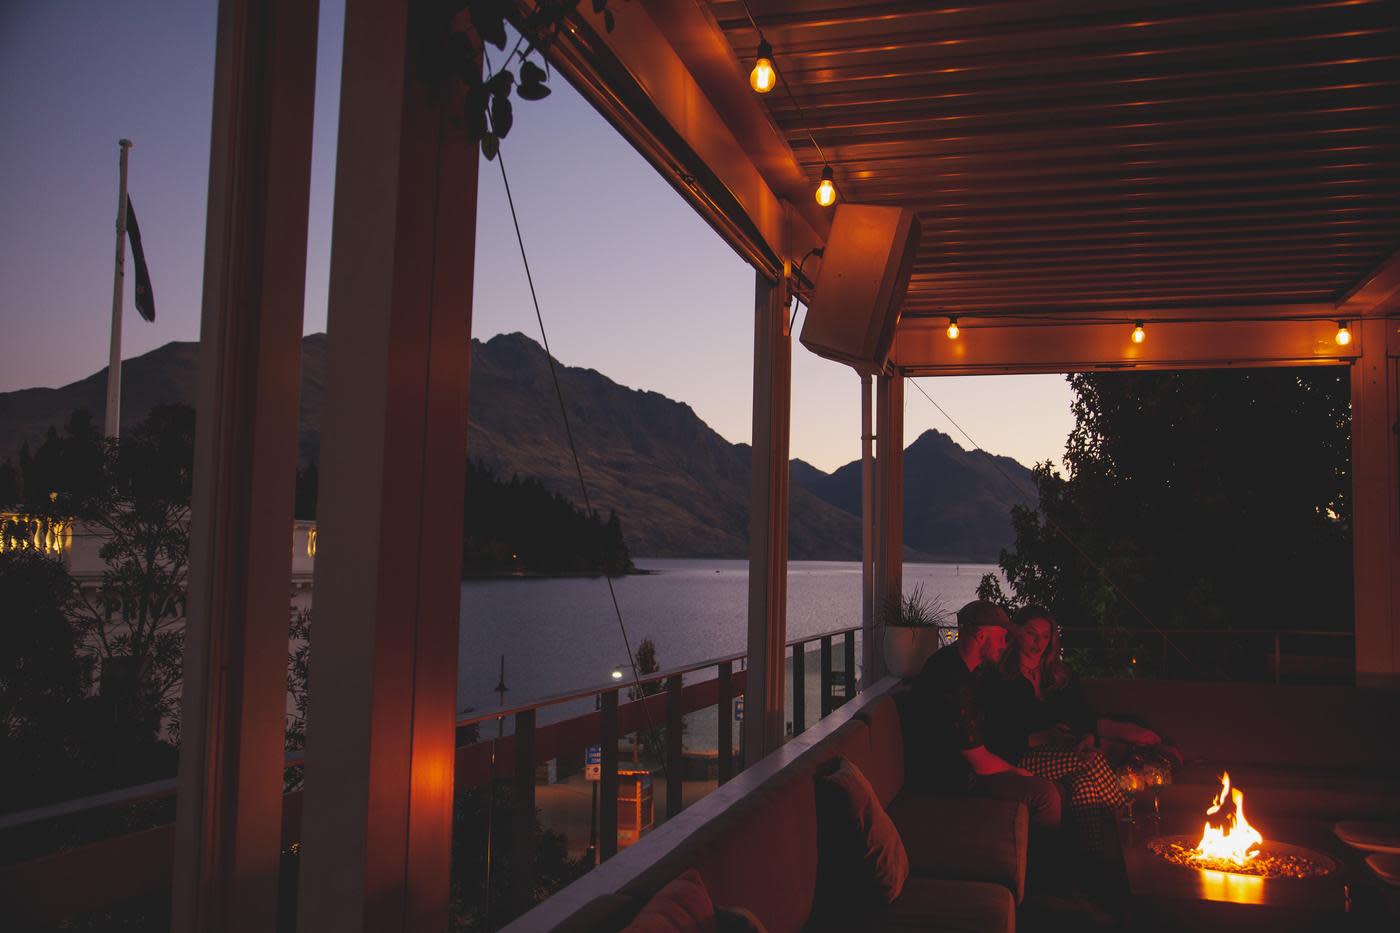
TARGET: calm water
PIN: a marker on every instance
(561, 634)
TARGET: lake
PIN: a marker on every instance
(560, 634)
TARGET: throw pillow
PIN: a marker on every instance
(683, 906)
(861, 860)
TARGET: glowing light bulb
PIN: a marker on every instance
(1139, 334)
(617, 673)
(953, 328)
(826, 191)
(1343, 335)
(763, 78)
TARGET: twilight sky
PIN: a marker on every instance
(632, 283)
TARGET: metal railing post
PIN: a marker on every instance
(799, 687)
(826, 676)
(675, 779)
(523, 811)
(607, 780)
(725, 712)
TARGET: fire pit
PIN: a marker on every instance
(1230, 844)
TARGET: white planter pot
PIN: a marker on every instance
(906, 649)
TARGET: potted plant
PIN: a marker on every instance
(914, 629)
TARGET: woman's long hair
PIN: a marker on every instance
(1054, 673)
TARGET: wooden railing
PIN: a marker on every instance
(112, 870)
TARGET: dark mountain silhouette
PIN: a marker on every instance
(957, 503)
(678, 487)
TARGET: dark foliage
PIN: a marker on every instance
(1214, 500)
(454, 35)
(518, 526)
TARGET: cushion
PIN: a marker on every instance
(861, 861)
(964, 838)
(930, 904)
(886, 768)
(738, 920)
(683, 906)
(760, 854)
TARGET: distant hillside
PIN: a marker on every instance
(679, 488)
(956, 502)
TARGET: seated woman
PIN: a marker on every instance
(1038, 719)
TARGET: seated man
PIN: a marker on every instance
(945, 751)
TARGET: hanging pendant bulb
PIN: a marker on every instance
(826, 191)
(1139, 333)
(953, 328)
(1343, 335)
(764, 77)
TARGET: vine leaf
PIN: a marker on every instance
(490, 145)
(599, 5)
(502, 115)
(489, 18)
(608, 21)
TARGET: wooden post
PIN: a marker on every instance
(799, 688)
(607, 779)
(1375, 504)
(675, 765)
(849, 675)
(377, 824)
(725, 714)
(768, 522)
(229, 806)
(889, 488)
(826, 679)
(522, 863)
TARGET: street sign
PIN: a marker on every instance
(738, 709)
(593, 763)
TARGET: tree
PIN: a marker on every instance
(135, 620)
(1212, 500)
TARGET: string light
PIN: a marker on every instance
(764, 77)
(1139, 333)
(1343, 335)
(826, 191)
(953, 328)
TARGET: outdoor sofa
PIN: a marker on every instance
(754, 842)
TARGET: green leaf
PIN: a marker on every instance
(530, 73)
(489, 19)
(502, 115)
(608, 21)
(599, 5)
(490, 145)
(534, 91)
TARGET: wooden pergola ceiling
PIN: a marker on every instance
(1097, 156)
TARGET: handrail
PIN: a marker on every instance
(585, 692)
(1118, 630)
(159, 790)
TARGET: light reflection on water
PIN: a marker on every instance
(561, 634)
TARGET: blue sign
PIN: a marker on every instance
(738, 709)
(593, 763)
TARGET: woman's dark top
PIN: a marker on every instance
(1013, 712)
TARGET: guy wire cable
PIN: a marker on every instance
(573, 450)
(1060, 530)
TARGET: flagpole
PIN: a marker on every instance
(114, 367)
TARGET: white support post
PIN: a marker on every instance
(377, 819)
(889, 487)
(229, 810)
(1375, 504)
(768, 521)
(872, 658)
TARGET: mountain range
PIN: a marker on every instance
(679, 488)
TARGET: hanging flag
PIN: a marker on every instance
(145, 298)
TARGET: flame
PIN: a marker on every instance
(1227, 834)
